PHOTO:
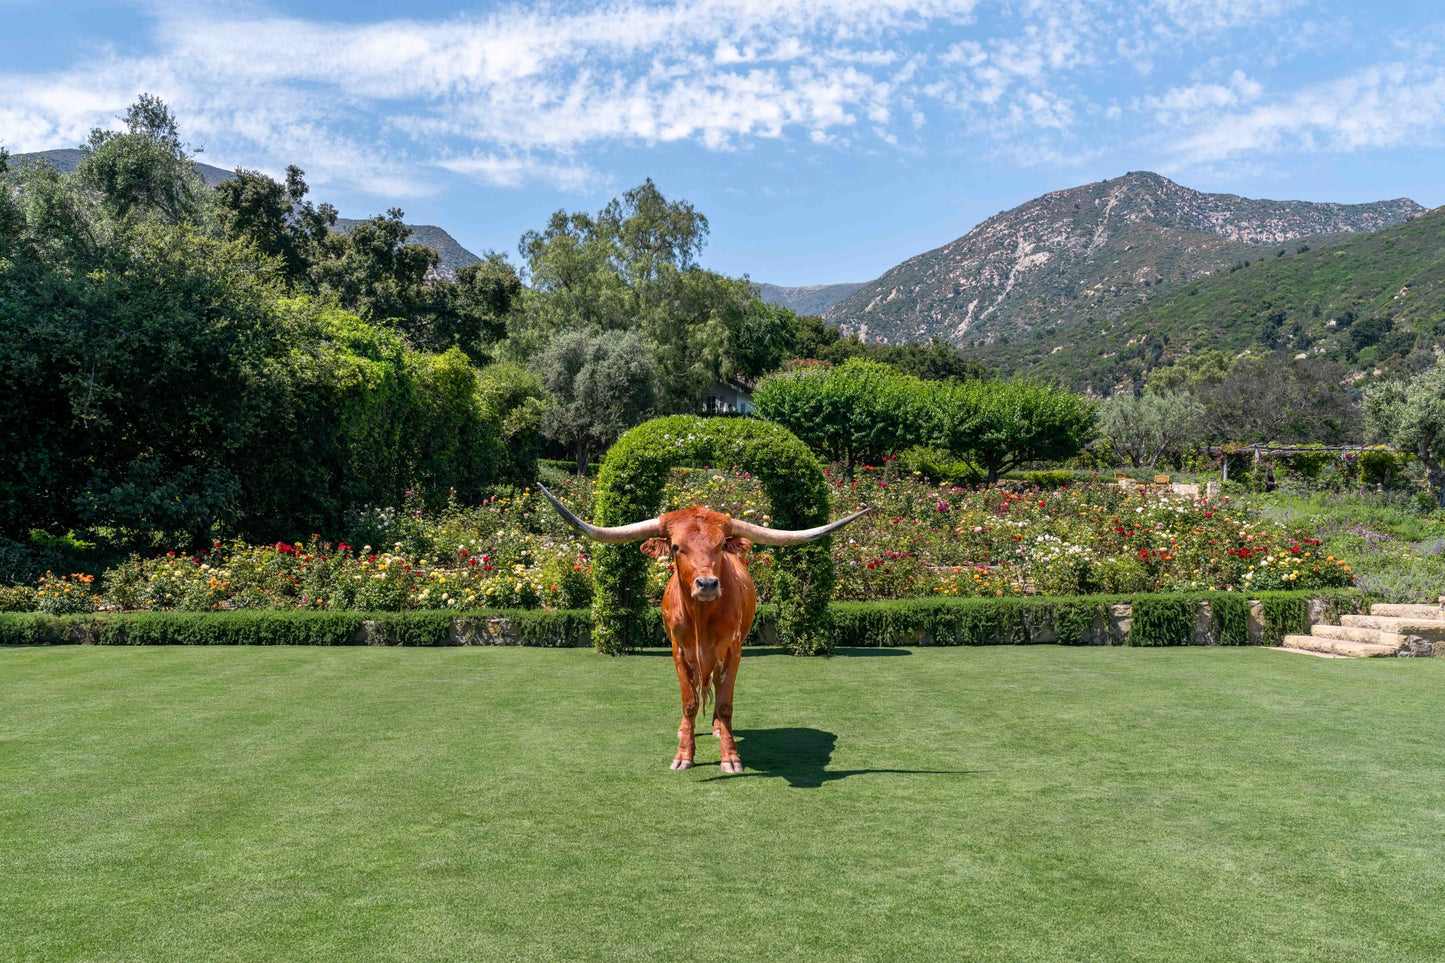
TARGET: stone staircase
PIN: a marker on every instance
(1396, 630)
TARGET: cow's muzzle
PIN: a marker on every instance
(705, 589)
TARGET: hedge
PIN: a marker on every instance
(629, 489)
(1155, 620)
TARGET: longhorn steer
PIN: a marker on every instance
(708, 605)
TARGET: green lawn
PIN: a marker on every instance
(483, 804)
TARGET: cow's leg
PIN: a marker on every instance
(727, 676)
(686, 736)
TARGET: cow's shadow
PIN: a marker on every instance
(801, 756)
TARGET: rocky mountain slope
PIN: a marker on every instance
(1374, 302)
(1086, 254)
(450, 254)
(810, 299)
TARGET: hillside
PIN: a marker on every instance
(1086, 254)
(450, 254)
(66, 159)
(810, 299)
(1367, 300)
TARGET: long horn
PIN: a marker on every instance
(776, 536)
(622, 533)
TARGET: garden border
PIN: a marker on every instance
(1205, 618)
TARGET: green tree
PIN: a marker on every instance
(372, 270)
(601, 383)
(858, 411)
(471, 311)
(146, 171)
(1411, 415)
(1145, 428)
(633, 266)
(1003, 424)
(1183, 374)
(275, 217)
(1275, 398)
(517, 398)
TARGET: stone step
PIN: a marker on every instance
(1426, 629)
(1355, 650)
(1392, 610)
(1351, 634)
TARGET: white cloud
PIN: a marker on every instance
(518, 95)
(1185, 104)
(1379, 107)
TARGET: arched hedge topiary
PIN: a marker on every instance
(629, 488)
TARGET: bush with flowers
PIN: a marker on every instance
(921, 540)
(66, 595)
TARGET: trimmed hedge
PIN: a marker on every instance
(629, 488)
(1156, 620)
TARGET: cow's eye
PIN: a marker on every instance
(675, 550)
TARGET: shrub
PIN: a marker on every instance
(1158, 620)
(1004, 424)
(66, 596)
(1163, 620)
(17, 598)
(629, 488)
(857, 412)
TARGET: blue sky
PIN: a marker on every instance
(825, 141)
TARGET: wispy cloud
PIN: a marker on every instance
(533, 93)
(1379, 107)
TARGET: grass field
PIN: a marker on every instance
(1032, 803)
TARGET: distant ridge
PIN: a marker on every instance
(1085, 255)
(809, 299)
(450, 254)
(1375, 302)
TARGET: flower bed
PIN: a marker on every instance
(921, 541)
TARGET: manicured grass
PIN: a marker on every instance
(1034, 803)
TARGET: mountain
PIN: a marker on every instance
(1375, 302)
(67, 159)
(810, 299)
(450, 254)
(1086, 254)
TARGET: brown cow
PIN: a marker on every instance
(708, 620)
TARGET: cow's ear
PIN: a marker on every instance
(655, 547)
(738, 545)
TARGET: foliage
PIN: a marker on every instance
(630, 486)
(1079, 620)
(1162, 620)
(859, 411)
(165, 388)
(1144, 428)
(1003, 424)
(274, 217)
(516, 397)
(601, 384)
(373, 270)
(145, 172)
(1395, 547)
(1411, 415)
(60, 595)
(1278, 399)
(633, 267)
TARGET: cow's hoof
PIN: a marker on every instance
(734, 767)
(682, 764)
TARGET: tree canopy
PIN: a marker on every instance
(1410, 414)
(858, 411)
